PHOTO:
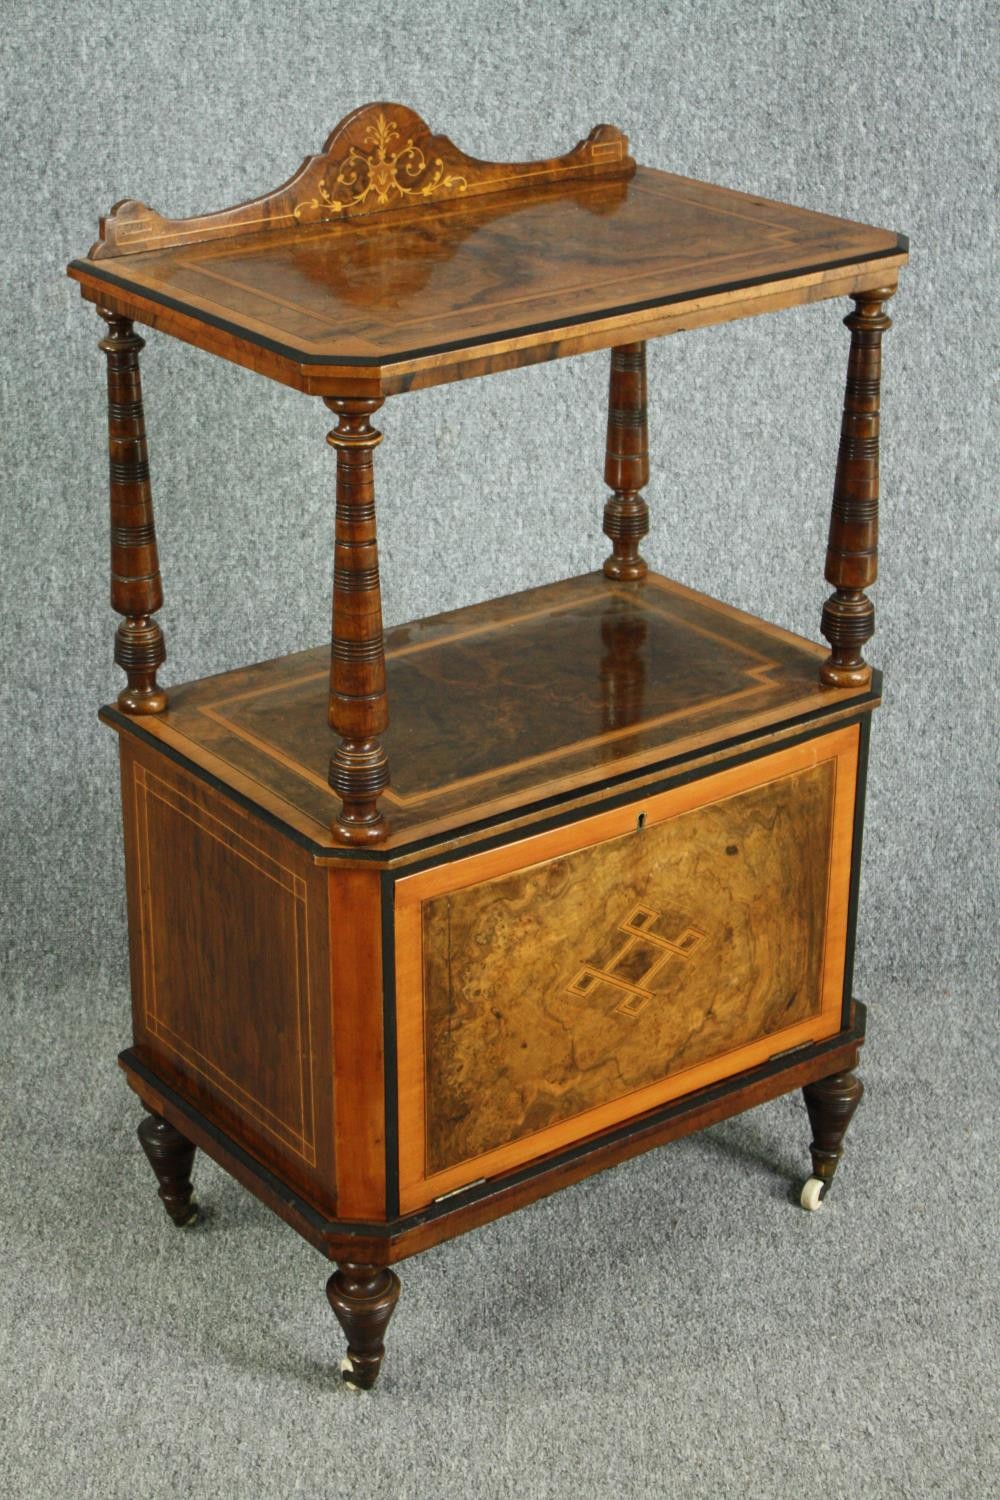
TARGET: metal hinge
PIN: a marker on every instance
(465, 1188)
(789, 1050)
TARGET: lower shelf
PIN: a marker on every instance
(498, 708)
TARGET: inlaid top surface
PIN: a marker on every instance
(503, 705)
(493, 268)
(381, 255)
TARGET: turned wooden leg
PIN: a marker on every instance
(852, 551)
(626, 464)
(136, 590)
(171, 1156)
(364, 1299)
(831, 1103)
(359, 769)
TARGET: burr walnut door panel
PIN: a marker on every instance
(560, 985)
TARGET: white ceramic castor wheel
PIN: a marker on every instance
(346, 1371)
(813, 1193)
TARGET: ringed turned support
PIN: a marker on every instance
(852, 552)
(364, 1299)
(171, 1156)
(136, 590)
(830, 1103)
(358, 712)
(626, 464)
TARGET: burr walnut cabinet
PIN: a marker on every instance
(425, 925)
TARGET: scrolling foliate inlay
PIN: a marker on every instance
(378, 171)
(379, 158)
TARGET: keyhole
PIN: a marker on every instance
(640, 822)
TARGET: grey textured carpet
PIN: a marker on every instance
(676, 1327)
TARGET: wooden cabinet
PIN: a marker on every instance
(426, 925)
(560, 984)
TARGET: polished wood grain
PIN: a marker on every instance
(626, 463)
(585, 255)
(355, 918)
(516, 351)
(585, 977)
(609, 895)
(358, 708)
(578, 681)
(394, 1241)
(624, 669)
(171, 1156)
(230, 968)
(552, 987)
(379, 158)
(136, 589)
(852, 553)
(473, 273)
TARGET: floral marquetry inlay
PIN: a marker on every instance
(379, 158)
(382, 172)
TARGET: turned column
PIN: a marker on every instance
(831, 1103)
(364, 1299)
(359, 769)
(171, 1156)
(852, 551)
(626, 464)
(136, 590)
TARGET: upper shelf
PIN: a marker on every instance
(392, 260)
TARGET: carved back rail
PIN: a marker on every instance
(379, 158)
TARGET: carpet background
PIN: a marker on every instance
(675, 1327)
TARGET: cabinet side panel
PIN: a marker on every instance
(228, 938)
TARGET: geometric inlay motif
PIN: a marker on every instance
(639, 934)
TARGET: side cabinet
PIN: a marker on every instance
(384, 1040)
